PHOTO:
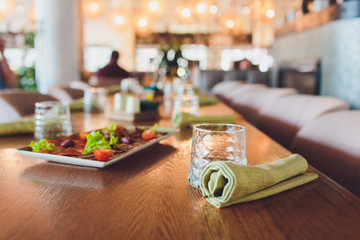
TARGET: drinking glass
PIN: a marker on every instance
(119, 102)
(185, 89)
(186, 104)
(52, 120)
(94, 99)
(215, 142)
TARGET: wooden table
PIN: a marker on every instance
(147, 196)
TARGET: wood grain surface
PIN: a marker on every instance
(147, 196)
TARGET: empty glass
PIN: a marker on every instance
(52, 120)
(186, 104)
(215, 142)
(185, 89)
(94, 99)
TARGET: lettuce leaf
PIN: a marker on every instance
(43, 144)
(114, 141)
(112, 127)
(95, 140)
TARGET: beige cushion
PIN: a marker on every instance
(222, 87)
(23, 101)
(251, 103)
(240, 90)
(65, 94)
(8, 112)
(286, 115)
(331, 144)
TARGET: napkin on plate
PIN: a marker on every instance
(225, 183)
(22, 126)
(183, 120)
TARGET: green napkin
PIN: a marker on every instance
(22, 126)
(225, 183)
(77, 105)
(183, 120)
(113, 89)
(205, 99)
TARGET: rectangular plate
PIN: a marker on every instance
(93, 163)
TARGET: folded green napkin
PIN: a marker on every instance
(77, 105)
(113, 89)
(183, 120)
(205, 99)
(225, 183)
(22, 126)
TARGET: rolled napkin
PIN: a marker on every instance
(205, 99)
(22, 126)
(77, 105)
(225, 183)
(183, 120)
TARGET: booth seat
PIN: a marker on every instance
(223, 88)
(209, 78)
(250, 104)
(321, 128)
(331, 144)
(284, 117)
(240, 90)
(19, 103)
(66, 94)
(230, 90)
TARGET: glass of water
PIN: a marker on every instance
(52, 120)
(215, 142)
(186, 104)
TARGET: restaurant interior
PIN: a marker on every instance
(219, 119)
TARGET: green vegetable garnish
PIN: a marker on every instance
(43, 144)
(114, 141)
(154, 126)
(95, 140)
(112, 127)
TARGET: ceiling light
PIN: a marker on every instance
(93, 8)
(245, 10)
(270, 13)
(6, 7)
(213, 9)
(201, 7)
(186, 13)
(119, 18)
(154, 5)
(142, 22)
(231, 23)
(156, 8)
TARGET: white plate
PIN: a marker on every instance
(94, 163)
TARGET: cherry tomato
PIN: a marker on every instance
(103, 154)
(119, 128)
(148, 134)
